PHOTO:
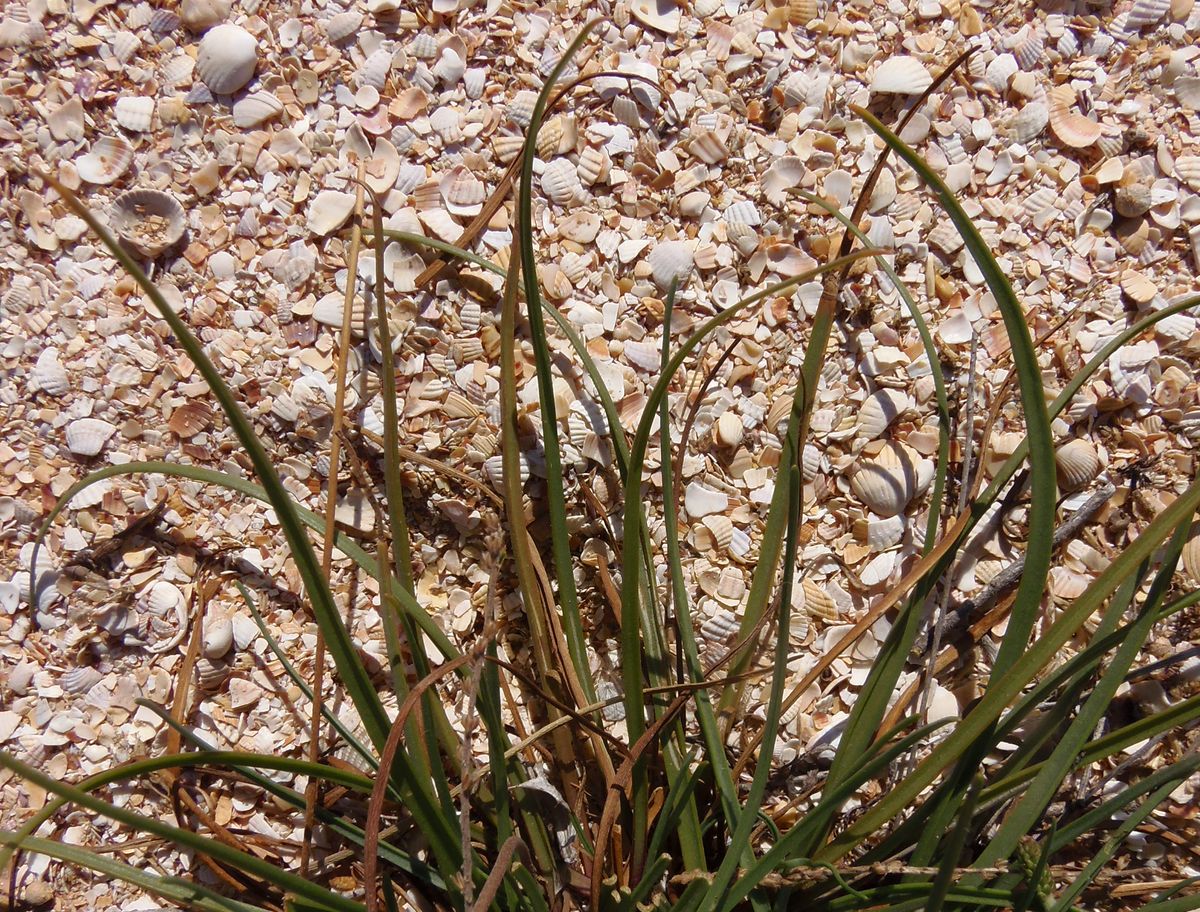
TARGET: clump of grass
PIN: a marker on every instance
(666, 819)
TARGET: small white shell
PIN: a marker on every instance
(87, 436)
(670, 260)
(328, 211)
(218, 637)
(80, 679)
(700, 501)
(1078, 463)
(1187, 91)
(474, 82)
(227, 58)
(450, 67)
(888, 482)
(343, 25)
(594, 165)
(49, 375)
(1029, 122)
(560, 182)
(124, 45)
(879, 410)
(663, 15)
(375, 69)
(256, 108)
(785, 172)
(199, 15)
(999, 71)
(447, 123)
(66, 121)
(462, 192)
(1187, 169)
(1191, 554)
(901, 76)
(1146, 12)
(134, 112)
(150, 221)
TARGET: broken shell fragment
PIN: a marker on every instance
(108, 159)
(256, 108)
(200, 15)
(901, 76)
(462, 192)
(149, 221)
(227, 58)
(328, 211)
(663, 15)
(134, 112)
(87, 436)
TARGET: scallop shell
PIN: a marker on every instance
(375, 69)
(889, 481)
(900, 76)
(190, 419)
(708, 146)
(474, 82)
(134, 112)
(450, 67)
(1028, 47)
(80, 679)
(560, 182)
(328, 211)
(227, 58)
(1078, 463)
(462, 192)
(125, 45)
(818, 602)
(447, 123)
(343, 25)
(150, 221)
(1187, 91)
(594, 165)
(256, 108)
(1191, 553)
(211, 674)
(999, 71)
(87, 436)
(879, 410)
(1146, 12)
(49, 375)
(1187, 169)
(1072, 129)
(1029, 122)
(670, 260)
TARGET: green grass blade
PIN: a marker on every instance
(354, 675)
(185, 839)
(955, 843)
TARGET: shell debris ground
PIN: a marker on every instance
(1074, 141)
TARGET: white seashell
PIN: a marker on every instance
(227, 58)
(66, 121)
(134, 112)
(462, 192)
(720, 527)
(211, 674)
(1078, 463)
(1146, 13)
(474, 82)
(594, 165)
(108, 159)
(343, 25)
(87, 436)
(708, 146)
(888, 482)
(149, 221)
(700, 501)
(424, 46)
(375, 69)
(788, 260)
(720, 627)
(743, 212)
(1029, 122)
(560, 182)
(256, 108)
(447, 123)
(450, 66)
(218, 637)
(663, 15)
(1028, 47)
(201, 15)
(580, 227)
(1187, 169)
(1191, 554)
(328, 211)
(999, 71)
(901, 76)
(49, 375)
(80, 679)
(124, 45)
(942, 704)
(879, 410)
(729, 430)
(643, 355)
(383, 167)
(785, 172)
(670, 260)
(1187, 92)
(882, 534)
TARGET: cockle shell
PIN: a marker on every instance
(328, 211)
(80, 679)
(1029, 122)
(594, 165)
(200, 15)
(462, 192)
(256, 108)
(375, 69)
(901, 76)
(889, 481)
(447, 123)
(150, 221)
(87, 436)
(1072, 129)
(1191, 553)
(49, 375)
(818, 602)
(1145, 13)
(343, 25)
(227, 58)
(134, 112)
(124, 46)
(1187, 169)
(879, 410)
(108, 159)
(999, 71)
(560, 182)
(670, 260)
(1078, 463)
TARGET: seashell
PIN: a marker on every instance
(66, 121)
(450, 66)
(520, 108)
(720, 527)
(889, 481)
(211, 674)
(1078, 463)
(643, 355)
(818, 602)
(328, 211)
(162, 21)
(1066, 585)
(424, 46)
(201, 15)
(447, 123)
(700, 501)
(190, 419)
(49, 375)
(720, 627)
(801, 12)
(1191, 553)
(343, 25)
(1072, 129)
(134, 112)
(788, 260)
(87, 436)
(879, 410)
(900, 75)
(462, 192)
(256, 108)
(125, 45)
(560, 182)
(728, 430)
(594, 165)
(80, 679)
(663, 15)
(1187, 92)
(1138, 286)
(1029, 122)
(1145, 13)
(580, 227)
(785, 173)
(108, 159)
(149, 221)
(1187, 169)
(1133, 199)
(670, 260)
(743, 212)
(1028, 47)
(218, 637)
(474, 82)
(999, 71)
(375, 69)
(227, 58)
(708, 146)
